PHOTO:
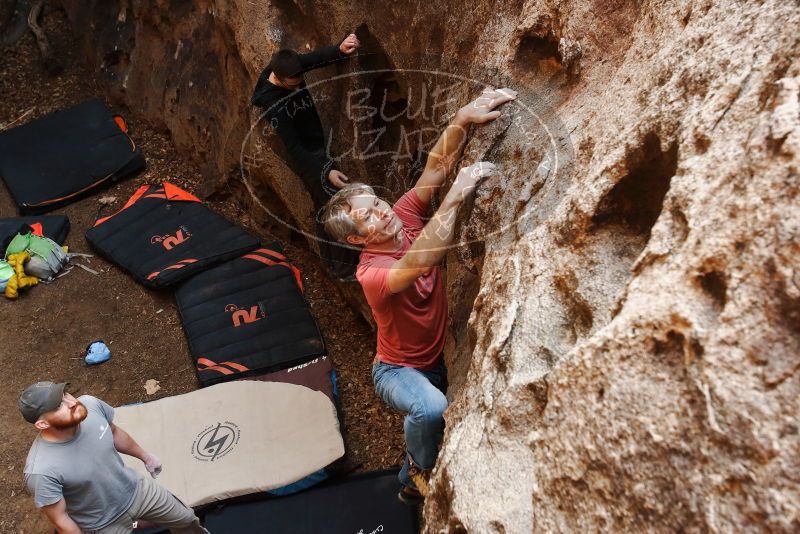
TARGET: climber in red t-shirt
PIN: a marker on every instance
(400, 274)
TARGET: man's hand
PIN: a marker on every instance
(350, 44)
(482, 109)
(152, 464)
(338, 179)
(468, 178)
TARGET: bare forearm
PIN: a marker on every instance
(450, 144)
(431, 246)
(67, 526)
(125, 444)
(442, 157)
(60, 519)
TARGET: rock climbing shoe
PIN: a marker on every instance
(419, 477)
(410, 496)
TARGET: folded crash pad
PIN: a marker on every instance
(362, 504)
(247, 317)
(56, 227)
(164, 235)
(235, 438)
(62, 157)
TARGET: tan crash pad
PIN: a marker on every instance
(235, 438)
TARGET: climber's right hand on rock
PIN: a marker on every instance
(338, 179)
(468, 177)
(482, 109)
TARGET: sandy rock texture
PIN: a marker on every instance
(625, 337)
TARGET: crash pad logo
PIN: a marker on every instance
(377, 529)
(215, 441)
(244, 316)
(171, 241)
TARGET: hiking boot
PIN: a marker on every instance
(410, 496)
(419, 477)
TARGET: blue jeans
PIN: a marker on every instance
(420, 394)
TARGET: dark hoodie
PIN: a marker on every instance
(296, 120)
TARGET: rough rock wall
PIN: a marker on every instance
(631, 360)
(636, 356)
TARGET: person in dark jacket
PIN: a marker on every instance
(281, 91)
(289, 108)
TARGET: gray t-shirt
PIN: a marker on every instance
(87, 471)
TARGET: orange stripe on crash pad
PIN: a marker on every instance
(179, 265)
(236, 366)
(218, 369)
(173, 192)
(37, 229)
(212, 366)
(272, 253)
(291, 267)
(121, 123)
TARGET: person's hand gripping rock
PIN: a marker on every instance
(468, 177)
(482, 109)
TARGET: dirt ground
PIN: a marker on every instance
(44, 332)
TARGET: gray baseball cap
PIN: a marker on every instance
(39, 398)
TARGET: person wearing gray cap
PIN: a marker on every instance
(77, 477)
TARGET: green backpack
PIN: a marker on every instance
(47, 257)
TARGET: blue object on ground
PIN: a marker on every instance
(97, 352)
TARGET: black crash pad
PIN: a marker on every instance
(362, 504)
(67, 155)
(164, 235)
(247, 317)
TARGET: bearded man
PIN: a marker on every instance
(77, 477)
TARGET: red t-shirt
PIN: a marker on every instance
(412, 323)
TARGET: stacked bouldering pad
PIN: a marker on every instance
(247, 317)
(50, 162)
(244, 314)
(229, 435)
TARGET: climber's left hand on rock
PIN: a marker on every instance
(467, 180)
(482, 109)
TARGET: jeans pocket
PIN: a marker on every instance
(380, 368)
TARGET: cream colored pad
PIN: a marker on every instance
(235, 438)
